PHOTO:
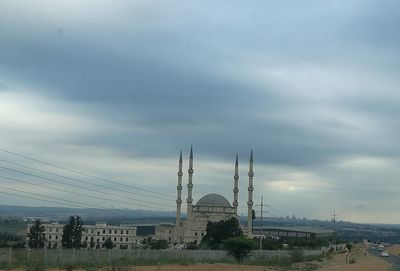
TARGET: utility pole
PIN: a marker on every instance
(261, 228)
(261, 218)
(334, 226)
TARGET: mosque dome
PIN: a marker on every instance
(213, 200)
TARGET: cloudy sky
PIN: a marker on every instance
(103, 95)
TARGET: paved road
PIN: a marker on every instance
(393, 259)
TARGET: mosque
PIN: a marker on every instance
(211, 207)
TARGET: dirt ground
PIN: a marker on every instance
(337, 263)
(204, 267)
(395, 249)
(362, 263)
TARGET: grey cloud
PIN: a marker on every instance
(186, 74)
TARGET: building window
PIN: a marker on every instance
(115, 231)
(56, 229)
(127, 232)
(104, 231)
(103, 238)
(86, 238)
(51, 229)
(92, 231)
(127, 239)
(195, 234)
(49, 237)
(120, 239)
(109, 231)
(122, 232)
(202, 234)
(57, 237)
(115, 238)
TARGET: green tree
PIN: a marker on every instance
(158, 244)
(36, 235)
(72, 233)
(77, 233)
(108, 244)
(238, 247)
(253, 214)
(217, 232)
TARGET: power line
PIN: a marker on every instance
(53, 198)
(71, 192)
(71, 203)
(65, 204)
(85, 174)
(78, 180)
(27, 197)
(77, 186)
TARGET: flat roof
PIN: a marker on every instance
(294, 229)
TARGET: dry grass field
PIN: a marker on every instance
(395, 249)
(361, 262)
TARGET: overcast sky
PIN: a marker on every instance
(116, 89)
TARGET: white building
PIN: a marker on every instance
(211, 207)
(93, 236)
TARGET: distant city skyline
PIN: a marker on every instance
(117, 89)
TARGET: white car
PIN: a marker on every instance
(385, 254)
(372, 248)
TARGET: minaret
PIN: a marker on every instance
(250, 201)
(190, 186)
(179, 192)
(235, 185)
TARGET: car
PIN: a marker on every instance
(372, 248)
(385, 254)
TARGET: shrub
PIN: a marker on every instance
(238, 247)
(296, 255)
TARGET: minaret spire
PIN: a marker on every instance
(179, 192)
(235, 185)
(190, 186)
(250, 201)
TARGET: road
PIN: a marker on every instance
(393, 259)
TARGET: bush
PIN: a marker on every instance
(191, 246)
(296, 255)
(238, 247)
(36, 266)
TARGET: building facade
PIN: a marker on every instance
(210, 208)
(93, 236)
(294, 232)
